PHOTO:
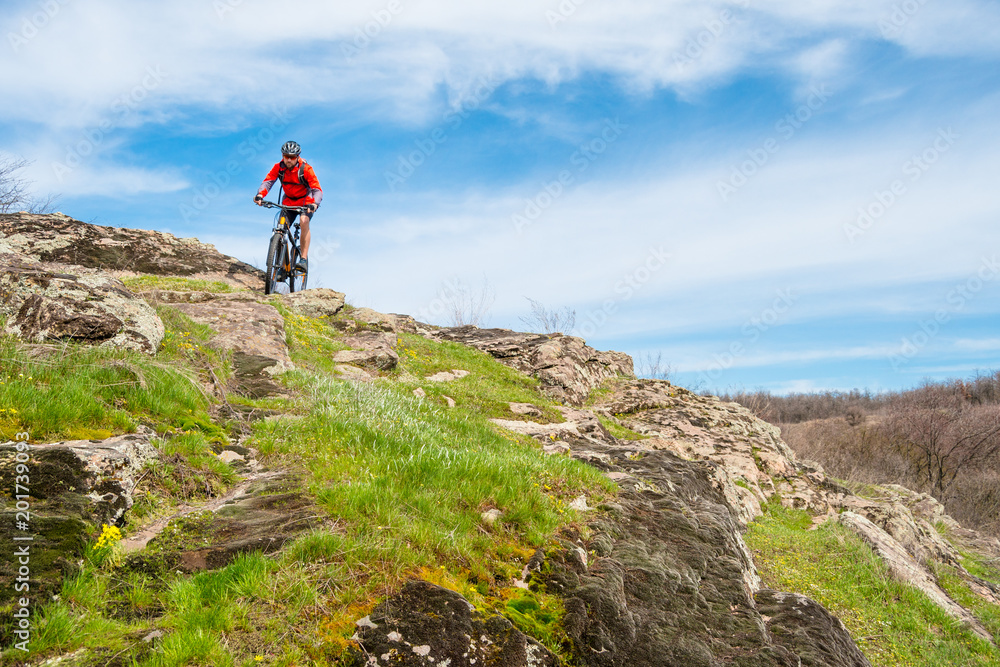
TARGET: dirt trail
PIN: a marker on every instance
(138, 541)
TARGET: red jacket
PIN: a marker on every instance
(299, 183)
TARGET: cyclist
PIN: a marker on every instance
(301, 187)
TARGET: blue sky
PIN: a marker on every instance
(794, 195)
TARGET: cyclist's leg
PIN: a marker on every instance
(304, 220)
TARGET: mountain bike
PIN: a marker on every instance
(283, 252)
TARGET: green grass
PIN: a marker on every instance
(954, 585)
(148, 283)
(414, 477)
(893, 624)
(311, 341)
(981, 567)
(488, 389)
(619, 431)
(71, 392)
(403, 480)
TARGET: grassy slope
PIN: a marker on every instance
(894, 624)
(403, 482)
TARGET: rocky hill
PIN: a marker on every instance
(645, 564)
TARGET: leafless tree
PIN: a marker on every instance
(943, 434)
(13, 188)
(760, 402)
(796, 408)
(653, 367)
(15, 191)
(543, 320)
(466, 306)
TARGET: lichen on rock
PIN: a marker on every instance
(42, 302)
(426, 625)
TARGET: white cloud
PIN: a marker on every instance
(109, 180)
(978, 344)
(823, 62)
(764, 358)
(90, 54)
(785, 229)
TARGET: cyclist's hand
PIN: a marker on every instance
(258, 199)
(310, 208)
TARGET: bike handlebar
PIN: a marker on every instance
(297, 209)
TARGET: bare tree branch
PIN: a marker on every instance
(543, 320)
(15, 192)
(653, 367)
(469, 307)
(943, 433)
(13, 189)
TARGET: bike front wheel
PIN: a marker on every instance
(275, 264)
(297, 277)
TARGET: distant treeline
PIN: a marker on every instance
(941, 438)
(980, 389)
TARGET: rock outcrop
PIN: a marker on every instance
(61, 239)
(750, 463)
(72, 484)
(746, 454)
(51, 302)
(246, 326)
(372, 350)
(92, 478)
(567, 367)
(353, 320)
(745, 462)
(807, 629)
(428, 625)
(261, 514)
(664, 577)
(317, 302)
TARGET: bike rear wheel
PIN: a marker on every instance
(275, 262)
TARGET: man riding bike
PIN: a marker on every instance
(301, 187)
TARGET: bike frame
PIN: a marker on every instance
(281, 262)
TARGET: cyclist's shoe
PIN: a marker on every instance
(302, 265)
